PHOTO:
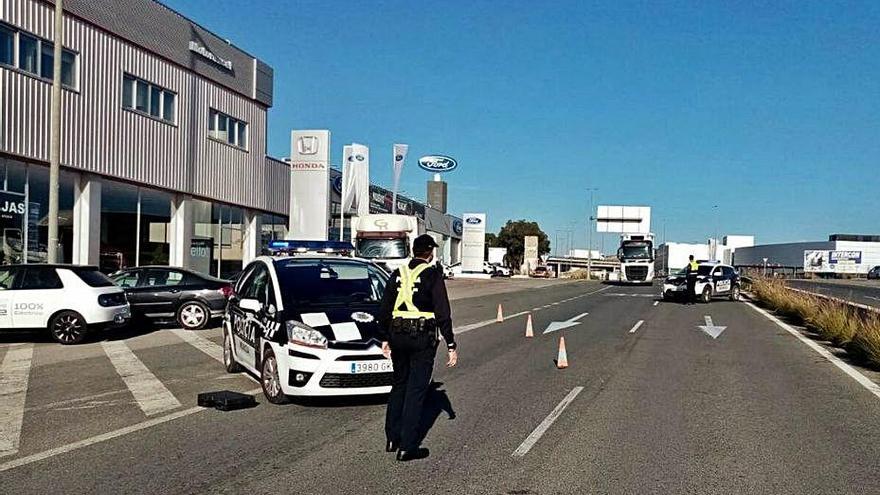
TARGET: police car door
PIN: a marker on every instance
(249, 312)
(721, 283)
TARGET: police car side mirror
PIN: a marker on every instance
(250, 305)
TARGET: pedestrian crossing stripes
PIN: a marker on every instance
(14, 374)
(151, 395)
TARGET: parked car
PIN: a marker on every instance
(162, 294)
(501, 271)
(450, 271)
(874, 273)
(541, 272)
(67, 300)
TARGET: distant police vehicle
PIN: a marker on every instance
(713, 280)
(304, 320)
(67, 300)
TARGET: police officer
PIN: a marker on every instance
(691, 278)
(415, 308)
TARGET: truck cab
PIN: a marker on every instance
(385, 239)
(636, 255)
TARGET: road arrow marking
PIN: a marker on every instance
(559, 325)
(710, 328)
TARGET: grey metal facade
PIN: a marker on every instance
(151, 42)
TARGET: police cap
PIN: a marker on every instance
(424, 243)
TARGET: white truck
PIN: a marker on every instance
(636, 255)
(385, 239)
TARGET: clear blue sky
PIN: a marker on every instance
(770, 112)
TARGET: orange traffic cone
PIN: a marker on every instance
(529, 332)
(562, 358)
(500, 316)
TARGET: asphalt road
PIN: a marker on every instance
(651, 407)
(859, 291)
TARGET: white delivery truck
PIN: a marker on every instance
(636, 255)
(385, 239)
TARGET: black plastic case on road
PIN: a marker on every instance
(226, 400)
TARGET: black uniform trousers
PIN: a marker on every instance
(413, 357)
(691, 288)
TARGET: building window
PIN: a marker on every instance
(147, 98)
(7, 46)
(35, 56)
(27, 53)
(224, 128)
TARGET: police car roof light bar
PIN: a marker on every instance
(309, 247)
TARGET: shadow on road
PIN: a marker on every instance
(436, 402)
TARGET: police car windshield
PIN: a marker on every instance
(382, 248)
(310, 282)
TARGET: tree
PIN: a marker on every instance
(512, 236)
(491, 241)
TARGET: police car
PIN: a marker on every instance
(713, 280)
(304, 320)
(67, 300)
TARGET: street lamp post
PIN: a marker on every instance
(55, 136)
(590, 236)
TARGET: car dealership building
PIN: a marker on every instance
(164, 140)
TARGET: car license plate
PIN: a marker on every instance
(371, 367)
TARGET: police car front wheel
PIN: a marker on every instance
(68, 327)
(270, 379)
(707, 295)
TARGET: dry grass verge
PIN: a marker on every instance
(846, 326)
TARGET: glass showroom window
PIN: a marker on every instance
(134, 226)
(274, 227)
(224, 128)
(147, 98)
(24, 228)
(7, 46)
(119, 213)
(154, 243)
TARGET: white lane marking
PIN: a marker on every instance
(864, 381)
(150, 393)
(200, 343)
(636, 326)
(542, 428)
(14, 374)
(874, 298)
(656, 303)
(485, 323)
(6, 466)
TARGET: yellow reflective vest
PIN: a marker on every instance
(408, 278)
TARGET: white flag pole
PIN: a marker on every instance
(398, 157)
(346, 186)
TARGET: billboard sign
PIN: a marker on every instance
(531, 248)
(473, 242)
(438, 163)
(624, 219)
(309, 185)
(823, 261)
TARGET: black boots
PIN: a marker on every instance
(411, 455)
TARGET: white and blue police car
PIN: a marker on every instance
(713, 280)
(303, 319)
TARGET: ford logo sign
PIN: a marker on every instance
(359, 158)
(398, 158)
(457, 227)
(438, 163)
(473, 220)
(337, 184)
